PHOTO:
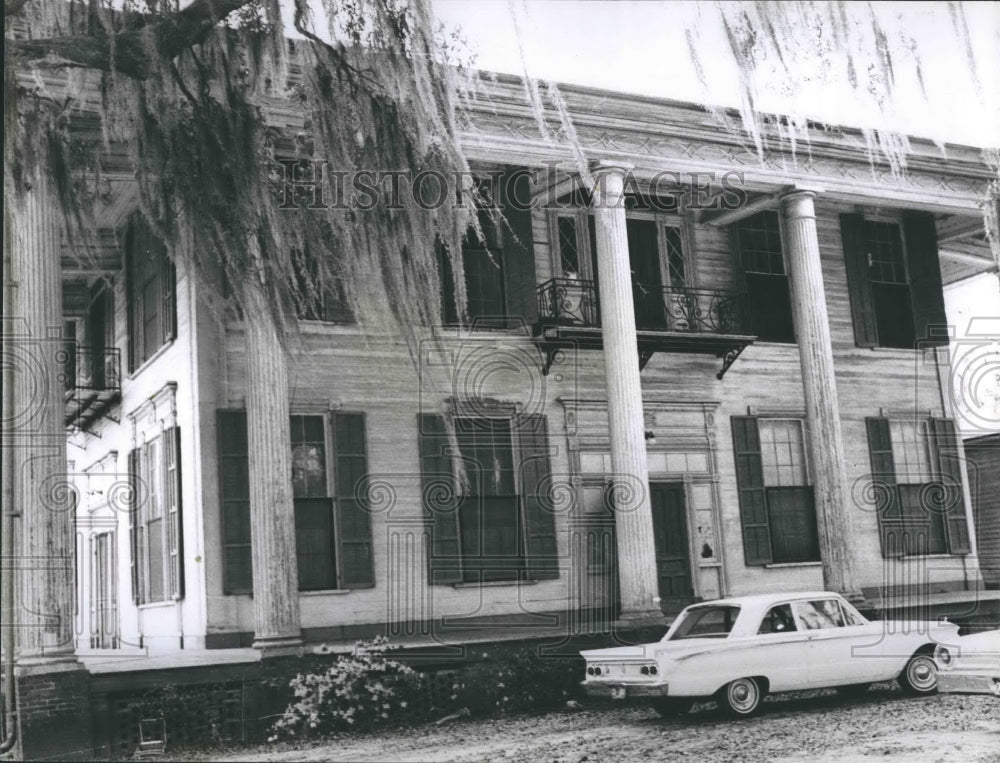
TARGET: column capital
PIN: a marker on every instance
(602, 167)
(798, 202)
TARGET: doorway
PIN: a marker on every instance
(670, 533)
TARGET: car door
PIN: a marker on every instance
(780, 651)
(831, 637)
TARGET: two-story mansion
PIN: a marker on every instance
(693, 372)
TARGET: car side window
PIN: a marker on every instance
(820, 613)
(778, 620)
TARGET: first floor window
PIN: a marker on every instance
(484, 498)
(777, 504)
(329, 483)
(917, 487)
(157, 547)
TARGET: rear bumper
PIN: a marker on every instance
(969, 681)
(624, 691)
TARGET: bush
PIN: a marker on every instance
(516, 680)
(358, 691)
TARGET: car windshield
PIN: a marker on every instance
(706, 622)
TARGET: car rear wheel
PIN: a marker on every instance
(740, 698)
(672, 707)
(919, 676)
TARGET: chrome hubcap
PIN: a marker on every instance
(922, 673)
(743, 695)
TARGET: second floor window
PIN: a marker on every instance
(499, 264)
(894, 280)
(758, 245)
(314, 301)
(151, 293)
(777, 504)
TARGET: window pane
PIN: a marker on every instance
(759, 242)
(675, 257)
(314, 544)
(910, 451)
(154, 536)
(484, 283)
(884, 247)
(778, 620)
(819, 614)
(569, 251)
(707, 622)
(782, 452)
(791, 513)
(308, 457)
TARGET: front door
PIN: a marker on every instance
(673, 563)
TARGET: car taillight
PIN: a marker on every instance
(590, 670)
(644, 670)
(652, 670)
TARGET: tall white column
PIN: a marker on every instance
(43, 494)
(633, 514)
(824, 437)
(272, 512)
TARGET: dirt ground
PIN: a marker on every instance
(814, 726)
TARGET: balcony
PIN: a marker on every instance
(93, 384)
(668, 319)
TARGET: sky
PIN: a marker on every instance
(640, 47)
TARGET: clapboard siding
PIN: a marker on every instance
(337, 368)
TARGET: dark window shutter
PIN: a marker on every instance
(440, 502)
(354, 530)
(518, 248)
(852, 234)
(168, 291)
(175, 529)
(750, 484)
(536, 486)
(234, 494)
(884, 488)
(133, 521)
(950, 474)
(926, 294)
(133, 303)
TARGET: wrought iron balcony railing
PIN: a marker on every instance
(93, 383)
(574, 302)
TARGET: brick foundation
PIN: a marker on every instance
(54, 714)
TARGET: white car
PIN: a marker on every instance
(972, 666)
(738, 649)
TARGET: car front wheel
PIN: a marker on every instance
(740, 698)
(919, 676)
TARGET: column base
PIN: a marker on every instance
(279, 646)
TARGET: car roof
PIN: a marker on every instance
(763, 599)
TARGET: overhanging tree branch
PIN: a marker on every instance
(134, 52)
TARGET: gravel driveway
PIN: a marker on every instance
(809, 726)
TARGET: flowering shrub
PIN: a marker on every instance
(358, 691)
(516, 680)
